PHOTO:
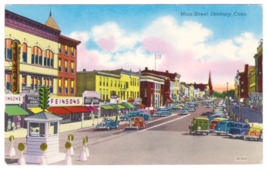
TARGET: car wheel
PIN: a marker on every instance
(108, 128)
(137, 127)
(218, 134)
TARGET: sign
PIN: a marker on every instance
(256, 98)
(113, 99)
(67, 145)
(65, 101)
(11, 138)
(15, 67)
(43, 146)
(13, 99)
(138, 100)
(21, 146)
(90, 100)
(32, 99)
(26, 89)
(70, 137)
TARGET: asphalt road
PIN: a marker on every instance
(166, 140)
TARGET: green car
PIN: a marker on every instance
(199, 125)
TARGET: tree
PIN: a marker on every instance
(44, 97)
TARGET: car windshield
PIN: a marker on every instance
(256, 129)
(136, 119)
(221, 123)
(230, 124)
(214, 122)
(185, 108)
(238, 125)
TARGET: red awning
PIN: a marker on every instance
(91, 108)
(78, 109)
(130, 100)
(58, 110)
(142, 105)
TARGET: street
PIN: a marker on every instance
(166, 140)
(252, 115)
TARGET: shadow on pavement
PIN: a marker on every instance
(10, 161)
(188, 134)
(206, 114)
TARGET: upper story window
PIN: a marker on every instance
(104, 81)
(51, 86)
(60, 65)
(34, 59)
(49, 55)
(100, 81)
(66, 50)
(8, 49)
(24, 80)
(59, 48)
(66, 87)
(72, 67)
(72, 87)
(115, 83)
(40, 56)
(66, 66)
(8, 81)
(107, 81)
(111, 82)
(59, 86)
(24, 53)
(72, 51)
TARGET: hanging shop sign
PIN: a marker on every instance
(15, 66)
(65, 101)
(13, 99)
(27, 90)
(90, 100)
(32, 99)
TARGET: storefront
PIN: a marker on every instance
(14, 111)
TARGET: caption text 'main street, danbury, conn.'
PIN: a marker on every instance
(212, 14)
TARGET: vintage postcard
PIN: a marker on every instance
(133, 84)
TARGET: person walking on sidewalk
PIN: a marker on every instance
(8, 125)
(13, 126)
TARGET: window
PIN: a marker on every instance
(66, 66)
(107, 81)
(72, 52)
(111, 81)
(107, 94)
(66, 87)
(45, 54)
(32, 82)
(100, 81)
(8, 81)
(59, 48)
(60, 65)
(23, 80)
(8, 49)
(51, 86)
(100, 91)
(52, 59)
(47, 82)
(48, 58)
(104, 94)
(104, 81)
(242, 90)
(119, 84)
(124, 85)
(72, 67)
(59, 86)
(40, 56)
(39, 83)
(72, 87)
(24, 53)
(35, 84)
(37, 129)
(52, 128)
(66, 50)
(145, 92)
(36, 55)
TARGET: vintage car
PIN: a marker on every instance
(180, 106)
(108, 123)
(216, 116)
(255, 133)
(186, 105)
(192, 108)
(145, 111)
(223, 127)
(162, 112)
(217, 112)
(173, 108)
(238, 129)
(185, 110)
(135, 123)
(199, 125)
(136, 114)
(208, 105)
(214, 122)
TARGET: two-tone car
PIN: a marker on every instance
(108, 123)
(223, 127)
(214, 122)
(216, 116)
(208, 105)
(136, 114)
(239, 129)
(199, 125)
(135, 123)
(162, 112)
(173, 108)
(255, 133)
(192, 108)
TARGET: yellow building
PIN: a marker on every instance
(191, 92)
(125, 84)
(201, 94)
(38, 55)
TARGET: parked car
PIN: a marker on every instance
(136, 122)
(199, 125)
(135, 114)
(108, 123)
(192, 108)
(214, 122)
(174, 108)
(162, 112)
(216, 116)
(208, 105)
(255, 133)
(180, 106)
(238, 129)
(185, 110)
(145, 111)
(223, 127)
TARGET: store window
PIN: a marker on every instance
(24, 80)
(72, 87)
(72, 67)
(8, 49)
(8, 81)
(35, 84)
(24, 53)
(66, 66)
(51, 86)
(60, 65)
(59, 48)
(59, 86)
(66, 87)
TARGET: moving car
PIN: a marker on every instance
(214, 122)
(192, 108)
(173, 108)
(108, 123)
(208, 105)
(136, 123)
(199, 125)
(185, 110)
(239, 129)
(223, 127)
(162, 112)
(135, 114)
(254, 133)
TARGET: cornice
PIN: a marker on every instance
(21, 23)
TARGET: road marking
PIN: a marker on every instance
(164, 123)
(162, 118)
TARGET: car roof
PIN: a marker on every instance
(137, 117)
(219, 119)
(200, 118)
(240, 123)
(256, 127)
(109, 118)
(227, 121)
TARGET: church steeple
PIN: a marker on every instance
(51, 22)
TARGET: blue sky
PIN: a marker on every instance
(133, 33)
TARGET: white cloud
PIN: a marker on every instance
(81, 36)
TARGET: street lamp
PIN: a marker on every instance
(241, 111)
(230, 114)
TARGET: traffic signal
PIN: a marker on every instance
(44, 97)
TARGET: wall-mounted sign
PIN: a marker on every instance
(13, 99)
(252, 98)
(174, 96)
(32, 99)
(90, 100)
(65, 101)
(26, 89)
(15, 67)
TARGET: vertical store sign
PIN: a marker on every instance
(15, 67)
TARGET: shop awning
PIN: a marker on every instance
(78, 109)
(15, 111)
(172, 100)
(128, 105)
(107, 107)
(58, 110)
(130, 100)
(119, 106)
(92, 108)
(36, 110)
(169, 100)
(142, 105)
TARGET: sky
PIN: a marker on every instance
(129, 37)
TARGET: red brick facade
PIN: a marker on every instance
(260, 74)
(71, 61)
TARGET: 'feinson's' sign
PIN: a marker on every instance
(65, 102)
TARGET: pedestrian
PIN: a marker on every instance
(8, 125)
(13, 126)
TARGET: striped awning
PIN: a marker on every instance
(59, 110)
(118, 106)
(128, 105)
(142, 105)
(108, 107)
